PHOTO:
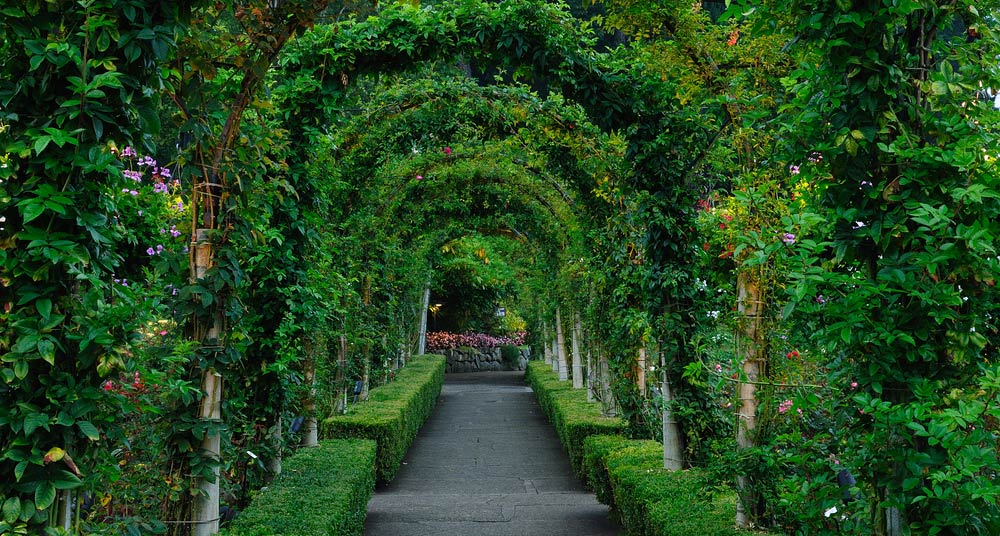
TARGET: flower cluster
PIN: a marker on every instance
(161, 175)
(441, 340)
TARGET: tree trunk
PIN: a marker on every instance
(749, 350)
(577, 358)
(561, 349)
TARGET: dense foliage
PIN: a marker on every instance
(787, 207)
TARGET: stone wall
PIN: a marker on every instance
(467, 359)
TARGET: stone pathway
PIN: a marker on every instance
(487, 463)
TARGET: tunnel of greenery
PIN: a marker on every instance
(765, 233)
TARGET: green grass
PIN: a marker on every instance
(321, 491)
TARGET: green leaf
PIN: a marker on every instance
(27, 343)
(33, 421)
(45, 495)
(32, 210)
(27, 509)
(21, 369)
(19, 470)
(11, 509)
(89, 430)
(41, 143)
(47, 349)
(66, 480)
(44, 307)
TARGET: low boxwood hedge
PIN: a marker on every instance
(321, 491)
(393, 413)
(628, 475)
(573, 417)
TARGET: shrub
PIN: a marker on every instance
(573, 417)
(628, 475)
(595, 449)
(511, 356)
(321, 491)
(393, 413)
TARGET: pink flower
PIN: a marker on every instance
(107, 386)
(163, 333)
(785, 406)
(447, 151)
(854, 385)
(420, 177)
(718, 367)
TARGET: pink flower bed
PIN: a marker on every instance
(441, 340)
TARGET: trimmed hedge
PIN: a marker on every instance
(573, 417)
(393, 413)
(628, 475)
(321, 491)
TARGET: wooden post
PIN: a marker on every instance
(426, 304)
(577, 358)
(206, 506)
(561, 349)
(640, 372)
(749, 349)
(673, 443)
(310, 430)
(590, 375)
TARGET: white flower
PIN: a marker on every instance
(830, 511)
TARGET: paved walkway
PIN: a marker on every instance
(487, 463)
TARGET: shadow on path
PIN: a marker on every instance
(486, 463)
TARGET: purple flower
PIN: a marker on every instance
(147, 161)
(134, 175)
(793, 169)
(820, 299)
(788, 238)
(160, 188)
(150, 251)
(159, 249)
(164, 172)
(128, 151)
